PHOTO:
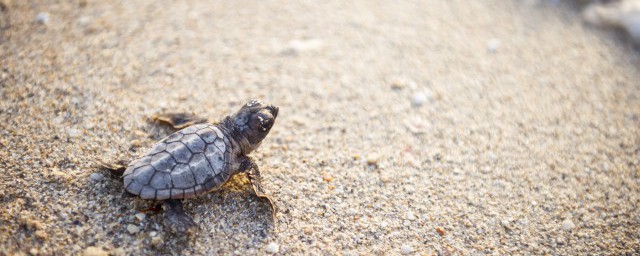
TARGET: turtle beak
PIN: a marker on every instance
(274, 110)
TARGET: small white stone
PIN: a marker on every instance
(420, 98)
(140, 216)
(133, 229)
(273, 248)
(42, 18)
(304, 45)
(406, 249)
(410, 216)
(493, 45)
(84, 20)
(58, 120)
(73, 132)
(568, 225)
(96, 176)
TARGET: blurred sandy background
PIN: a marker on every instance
(418, 127)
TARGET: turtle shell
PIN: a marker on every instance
(187, 163)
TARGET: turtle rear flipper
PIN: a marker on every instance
(175, 219)
(179, 120)
(115, 168)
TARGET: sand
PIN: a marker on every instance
(421, 127)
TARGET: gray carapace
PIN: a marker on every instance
(199, 158)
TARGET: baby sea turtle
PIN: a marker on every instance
(199, 158)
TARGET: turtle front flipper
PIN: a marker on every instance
(253, 173)
(179, 120)
(175, 219)
(257, 188)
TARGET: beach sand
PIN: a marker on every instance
(419, 128)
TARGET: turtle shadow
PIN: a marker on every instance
(227, 219)
(225, 232)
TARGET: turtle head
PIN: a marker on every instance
(254, 121)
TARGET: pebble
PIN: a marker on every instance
(273, 248)
(401, 83)
(94, 251)
(307, 230)
(406, 249)
(58, 120)
(73, 133)
(140, 216)
(420, 98)
(133, 229)
(410, 216)
(568, 225)
(373, 159)
(297, 46)
(326, 177)
(493, 45)
(42, 18)
(41, 234)
(96, 176)
(31, 222)
(157, 240)
(84, 20)
(136, 143)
